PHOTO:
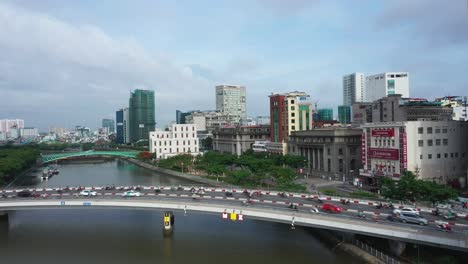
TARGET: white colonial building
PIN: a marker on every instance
(180, 139)
(433, 150)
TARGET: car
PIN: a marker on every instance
(88, 193)
(406, 217)
(331, 208)
(131, 194)
(405, 210)
(24, 193)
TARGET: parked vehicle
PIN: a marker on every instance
(331, 208)
(407, 217)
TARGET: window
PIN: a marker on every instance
(340, 151)
(293, 121)
(444, 130)
(293, 127)
(437, 142)
(429, 156)
(293, 108)
(445, 141)
(420, 130)
(456, 154)
(293, 114)
(438, 155)
(429, 130)
(437, 130)
(420, 143)
(446, 155)
(451, 155)
(429, 142)
(328, 151)
(421, 156)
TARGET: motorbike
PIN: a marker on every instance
(450, 216)
(343, 201)
(282, 194)
(320, 201)
(435, 212)
(379, 206)
(293, 206)
(180, 188)
(444, 227)
(138, 188)
(361, 214)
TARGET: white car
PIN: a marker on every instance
(405, 210)
(131, 194)
(88, 193)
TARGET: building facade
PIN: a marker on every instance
(7, 124)
(119, 138)
(232, 101)
(181, 116)
(433, 150)
(344, 114)
(331, 152)
(262, 120)
(325, 114)
(459, 105)
(353, 88)
(387, 83)
(362, 113)
(109, 125)
(141, 114)
(237, 140)
(289, 112)
(180, 139)
(28, 132)
(395, 108)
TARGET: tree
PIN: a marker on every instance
(145, 155)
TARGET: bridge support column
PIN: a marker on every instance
(168, 228)
(396, 247)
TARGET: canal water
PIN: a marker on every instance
(135, 236)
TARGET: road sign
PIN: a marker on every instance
(233, 216)
(240, 217)
(225, 215)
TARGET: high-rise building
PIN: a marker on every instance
(289, 112)
(126, 126)
(344, 114)
(353, 88)
(141, 111)
(181, 117)
(119, 117)
(232, 100)
(28, 132)
(108, 124)
(387, 83)
(325, 114)
(7, 124)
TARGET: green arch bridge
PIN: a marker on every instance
(65, 155)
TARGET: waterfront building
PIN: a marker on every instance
(353, 88)
(433, 150)
(119, 118)
(385, 84)
(238, 139)
(344, 114)
(180, 139)
(141, 114)
(232, 101)
(330, 152)
(289, 112)
(109, 125)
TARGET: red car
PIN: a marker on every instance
(331, 208)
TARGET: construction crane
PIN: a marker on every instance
(316, 106)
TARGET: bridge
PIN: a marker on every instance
(66, 155)
(261, 205)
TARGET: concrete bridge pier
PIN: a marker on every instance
(168, 228)
(396, 247)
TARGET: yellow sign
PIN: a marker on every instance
(233, 216)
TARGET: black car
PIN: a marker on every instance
(24, 193)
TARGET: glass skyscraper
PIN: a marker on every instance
(344, 114)
(142, 115)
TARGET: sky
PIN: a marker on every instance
(66, 63)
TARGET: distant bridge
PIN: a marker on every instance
(65, 155)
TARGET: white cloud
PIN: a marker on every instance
(78, 72)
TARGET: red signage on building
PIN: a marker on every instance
(383, 132)
(363, 150)
(405, 151)
(389, 154)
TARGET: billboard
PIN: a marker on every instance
(383, 132)
(389, 154)
(363, 149)
(405, 151)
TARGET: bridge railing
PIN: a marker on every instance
(374, 252)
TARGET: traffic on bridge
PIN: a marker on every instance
(290, 205)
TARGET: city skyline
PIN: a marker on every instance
(82, 63)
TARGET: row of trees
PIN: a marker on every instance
(14, 160)
(250, 169)
(410, 189)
